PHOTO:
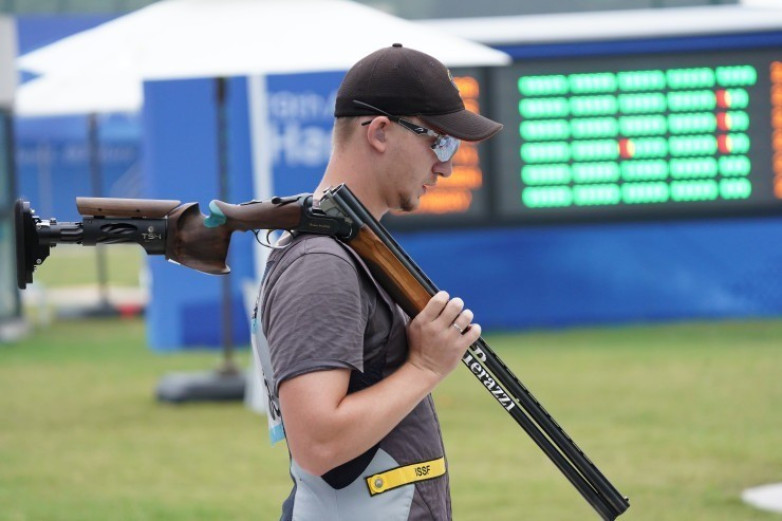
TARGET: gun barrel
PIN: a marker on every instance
(410, 286)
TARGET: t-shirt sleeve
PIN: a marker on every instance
(314, 316)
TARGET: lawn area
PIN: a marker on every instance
(679, 417)
(75, 265)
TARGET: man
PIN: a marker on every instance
(351, 374)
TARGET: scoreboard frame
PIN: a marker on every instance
(500, 157)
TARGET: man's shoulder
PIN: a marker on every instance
(306, 244)
(306, 263)
(307, 247)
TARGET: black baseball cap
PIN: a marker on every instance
(406, 82)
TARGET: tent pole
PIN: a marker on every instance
(93, 145)
(228, 366)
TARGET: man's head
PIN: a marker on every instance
(405, 82)
(400, 119)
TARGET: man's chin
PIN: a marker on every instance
(410, 205)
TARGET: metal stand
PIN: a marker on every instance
(209, 386)
(104, 308)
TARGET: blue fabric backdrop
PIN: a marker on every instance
(181, 162)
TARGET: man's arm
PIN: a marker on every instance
(327, 427)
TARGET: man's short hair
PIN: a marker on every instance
(344, 128)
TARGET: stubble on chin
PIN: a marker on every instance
(409, 204)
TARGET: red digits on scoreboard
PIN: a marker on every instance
(454, 193)
(776, 121)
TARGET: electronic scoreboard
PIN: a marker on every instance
(619, 136)
(661, 135)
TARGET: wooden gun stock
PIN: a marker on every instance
(192, 239)
(162, 227)
(117, 207)
(201, 242)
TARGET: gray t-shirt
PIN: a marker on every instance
(321, 309)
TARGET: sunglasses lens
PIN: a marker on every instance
(445, 147)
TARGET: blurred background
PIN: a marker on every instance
(617, 242)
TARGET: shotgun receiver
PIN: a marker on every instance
(184, 235)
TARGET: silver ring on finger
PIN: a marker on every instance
(460, 330)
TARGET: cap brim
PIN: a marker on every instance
(464, 125)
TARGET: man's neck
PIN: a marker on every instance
(356, 179)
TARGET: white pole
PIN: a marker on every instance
(260, 143)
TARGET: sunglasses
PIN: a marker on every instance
(444, 146)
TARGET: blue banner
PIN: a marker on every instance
(301, 117)
(53, 161)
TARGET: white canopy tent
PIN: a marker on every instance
(204, 38)
(62, 94)
(102, 69)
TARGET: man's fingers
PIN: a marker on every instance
(463, 320)
(435, 306)
(451, 310)
(472, 333)
(445, 312)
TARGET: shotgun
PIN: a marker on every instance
(185, 236)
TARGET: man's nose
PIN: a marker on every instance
(444, 168)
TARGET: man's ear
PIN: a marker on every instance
(377, 133)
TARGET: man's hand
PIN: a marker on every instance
(326, 426)
(440, 334)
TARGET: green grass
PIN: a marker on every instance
(74, 265)
(680, 417)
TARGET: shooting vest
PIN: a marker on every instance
(402, 478)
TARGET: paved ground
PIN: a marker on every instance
(44, 303)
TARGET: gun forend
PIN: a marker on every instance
(118, 207)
